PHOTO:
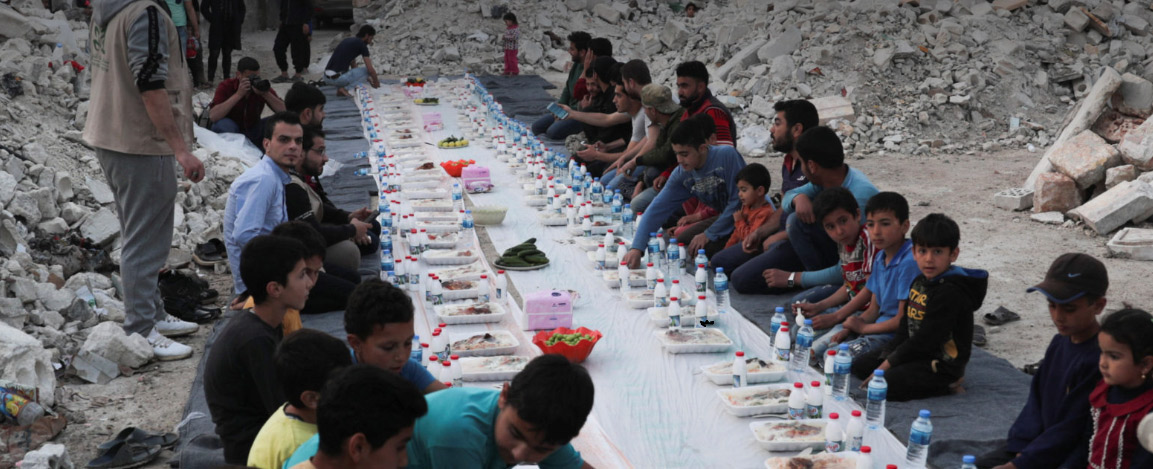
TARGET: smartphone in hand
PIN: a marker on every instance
(557, 111)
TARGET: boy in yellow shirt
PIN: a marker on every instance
(304, 361)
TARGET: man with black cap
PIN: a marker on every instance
(1054, 418)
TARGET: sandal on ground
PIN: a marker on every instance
(1000, 316)
(979, 336)
(141, 437)
(124, 455)
(210, 253)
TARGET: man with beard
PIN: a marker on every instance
(602, 103)
(578, 47)
(349, 235)
(695, 96)
(793, 118)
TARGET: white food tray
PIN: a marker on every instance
(660, 317)
(639, 299)
(432, 205)
(438, 227)
(536, 201)
(817, 441)
(673, 347)
(498, 313)
(472, 368)
(612, 278)
(466, 293)
(774, 373)
(420, 185)
(842, 460)
(503, 336)
(471, 271)
(449, 256)
(591, 243)
(444, 240)
(426, 194)
(596, 230)
(553, 219)
(778, 407)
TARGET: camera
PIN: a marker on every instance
(260, 84)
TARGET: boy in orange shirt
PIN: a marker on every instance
(752, 184)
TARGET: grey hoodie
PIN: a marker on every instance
(147, 58)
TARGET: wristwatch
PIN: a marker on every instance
(792, 277)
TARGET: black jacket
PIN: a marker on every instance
(294, 12)
(938, 321)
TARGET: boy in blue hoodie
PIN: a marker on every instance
(935, 336)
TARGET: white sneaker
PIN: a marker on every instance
(166, 349)
(172, 327)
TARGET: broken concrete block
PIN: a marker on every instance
(674, 35)
(532, 52)
(7, 187)
(1129, 201)
(1009, 5)
(981, 8)
(54, 226)
(23, 360)
(1132, 243)
(108, 340)
(53, 298)
(12, 312)
(1134, 97)
(12, 23)
(1085, 157)
(883, 57)
(743, 59)
(1136, 146)
(607, 12)
(1119, 174)
(94, 368)
(1135, 24)
(1055, 192)
(25, 207)
(1076, 20)
(49, 456)
(784, 42)
(1048, 218)
(101, 227)
(100, 191)
(576, 5)
(1015, 199)
(833, 107)
(36, 153)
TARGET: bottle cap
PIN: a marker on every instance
(780, 309)
(799, 385)
(454, 357)
(890, 466)
(442, 325)
(701, 297)
(879, 373)
(700, 266)
(856, 413)
(624, 264)
(834, 416)
(925, 413)
(740, 354)
(866, 449)
(808, 322)
(500, 271)
(844, 347)
(435, 332)
(816, 384)
(673, 299)
(676, 281)
(422, 344)
(650, 264)
(784, 328)
(681, 244)
(660, 280)
(433, 358)
(832, 353)
(967, 459)
(484, 276)
(446, 363)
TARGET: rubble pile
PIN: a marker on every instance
(922, 76)
(60, 304)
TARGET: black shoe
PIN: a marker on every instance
(179, 284)
(187, 309)
(210, 253)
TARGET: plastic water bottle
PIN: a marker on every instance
(721, 285)
(740, 371)
(587, 226)
(702, 311)
(968, 461)
(681, 258)
(782, 345)
(618, 206)
(775, 324)
(875, 406)
(855, 431)
(627, 220)
(401, 274)
(701, 258)
(385, 240)
(803, 345)
(457, 371)
(15, 407)
(660, 294)
(674, 310)
(600, 257)
(598, 191)
(834, 436)
(797, 401)
(701, 279)
(663, 245)
(457, 196)
(58, 56)
(920, 435)
(651, 276)
(361, 172)
(467, 223)
(416, 354)
(439, 339)
(654, 249)
(483, 287)
(842, 366)
(501, 286)
(675, 291)
(623, 274)
(386, 262)
(673, 256)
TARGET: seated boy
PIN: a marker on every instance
(1050, 425)
(830, 305)
(364, 420)
(304, 361)
(935, 336)
(330, 292)
(887, 219)
(379, 324)
(753, 183)
(239, 376)
(530, 421)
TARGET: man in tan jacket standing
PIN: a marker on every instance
(140, 121)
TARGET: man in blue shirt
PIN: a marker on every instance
(530, 421)
(256, 198)
(808, 257)
(708, 173)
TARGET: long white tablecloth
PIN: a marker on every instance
(652, 409)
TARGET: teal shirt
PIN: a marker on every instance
(456, 433)
(862, 189)
(179, 16)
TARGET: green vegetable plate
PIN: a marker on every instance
(519, 268)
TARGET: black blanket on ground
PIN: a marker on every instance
(973, 422)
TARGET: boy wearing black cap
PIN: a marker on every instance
(1053, 420)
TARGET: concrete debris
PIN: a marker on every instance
(1128, 201)
(25, 361)
(94, 368)
(1132, 243)
(102, 227)
(1085, 158)
(1137, 146)
(1048, 218)
(1016, 199)
(49, 456)
(108, 340)
(1055, 192)
(1118, 174)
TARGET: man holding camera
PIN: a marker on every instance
(240, 100)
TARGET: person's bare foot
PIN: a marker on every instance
(343, 92)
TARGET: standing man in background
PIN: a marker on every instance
(295, 18)
(140, 121)
(226, 18)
